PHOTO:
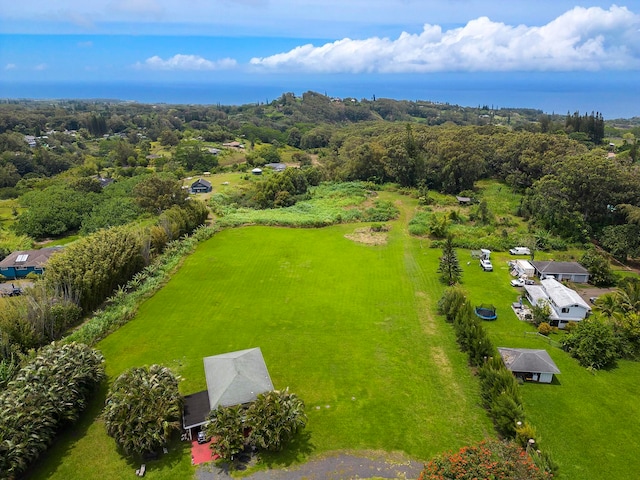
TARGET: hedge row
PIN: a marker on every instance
(498, 387)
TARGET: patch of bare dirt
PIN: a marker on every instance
(368, 236)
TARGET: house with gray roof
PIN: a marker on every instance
(201, 186)
(21, 263)
(571, 271)
(234, 378)
(529, 364)
(566, 304)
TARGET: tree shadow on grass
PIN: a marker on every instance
(297, 451)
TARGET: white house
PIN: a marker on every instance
(566, 305)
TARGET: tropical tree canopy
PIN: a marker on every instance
(47, 393)
(143, 408)
(275, 418)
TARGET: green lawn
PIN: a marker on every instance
(588, 420)
(348, 327)
(351, 329)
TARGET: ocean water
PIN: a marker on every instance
(614, 95)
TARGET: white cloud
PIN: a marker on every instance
(186, 62)
(580, 39)
(10, 66)
(40, 67)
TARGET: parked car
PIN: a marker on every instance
(593, 299)
(202, 437)
(520, 251)
(521, 282)
(486, 265)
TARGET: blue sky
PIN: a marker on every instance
(205, 40)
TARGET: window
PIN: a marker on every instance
(565, 310)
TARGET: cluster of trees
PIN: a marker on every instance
(269, 423)
(81, 204)
(47, 394)
(143, 409)
(84, 274)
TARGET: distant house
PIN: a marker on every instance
(233, 145)
(104, 181)
(31, 140)
(566, 305)
(201, 186)
(571, 271)
(463, 200)
(235, 378)
(256, 171)
(278, 167)
(530, 365)
(22, 263)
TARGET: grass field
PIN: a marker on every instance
(352, 330)
(348, 327)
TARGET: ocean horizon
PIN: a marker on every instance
(615, 96)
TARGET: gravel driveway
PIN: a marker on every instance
(335, 466)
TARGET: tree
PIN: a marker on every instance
(143, 409)
(156, 193)
(274, 418)
(600, 273)
(593, 344)
(225, 424)
(449, 269)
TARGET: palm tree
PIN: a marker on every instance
(275, 418)
(226, 427)
(143, 408)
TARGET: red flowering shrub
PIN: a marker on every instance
(490, 459)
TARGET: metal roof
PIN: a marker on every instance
(556, 268)
(29, 258)
(527, 360)
(236, 378)
(562, 296)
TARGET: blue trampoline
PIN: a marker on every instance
(486, 312)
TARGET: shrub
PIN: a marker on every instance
(488, 459)
(593, 343)
(544, 328)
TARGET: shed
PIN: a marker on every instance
(201, 186)
(463, 200)
(257, 171)
(529, 364)
(571, 271)
(23, 262)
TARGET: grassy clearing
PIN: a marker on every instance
(348, 327)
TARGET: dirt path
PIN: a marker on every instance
(334, 466)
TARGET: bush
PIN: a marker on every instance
(593, 343)
(544, 328)
(489, 459)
